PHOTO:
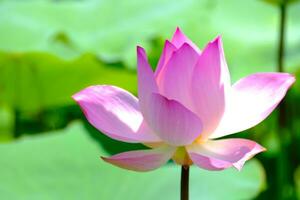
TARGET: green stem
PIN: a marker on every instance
(184, 192)
(280, 57)
(282, 168)
(281, 36)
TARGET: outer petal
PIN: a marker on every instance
(179, 39)
(142, 160)
(175, 81)
(209, 82)
(146, 82)
(115, 112)
(172, 122)
(251, 100)
(221, 154)
(169, 48)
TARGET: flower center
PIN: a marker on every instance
(181, 157)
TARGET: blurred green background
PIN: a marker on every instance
(51, 49)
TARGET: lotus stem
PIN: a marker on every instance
(280, 57)
(184, 192)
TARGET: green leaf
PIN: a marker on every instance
(35, 81)
(65, 165)
(106, 28)
(112, 30)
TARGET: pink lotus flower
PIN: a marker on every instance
(183, 107)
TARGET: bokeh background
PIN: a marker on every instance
(51, 49)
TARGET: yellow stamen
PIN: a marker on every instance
(181, 157)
